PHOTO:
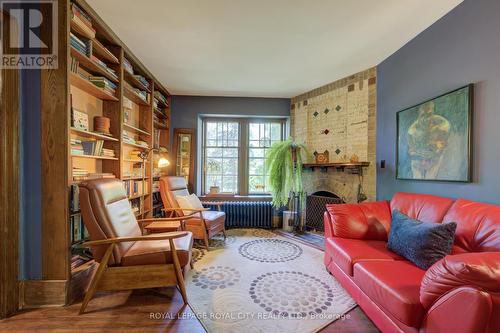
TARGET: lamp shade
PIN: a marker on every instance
(163, 162)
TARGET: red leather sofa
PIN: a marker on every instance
(460, 293)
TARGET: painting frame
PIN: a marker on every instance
(469, 137)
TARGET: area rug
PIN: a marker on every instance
(258, 281)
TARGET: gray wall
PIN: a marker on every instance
(463, 47)
(186, 110)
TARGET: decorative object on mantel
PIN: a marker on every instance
(284, 162)
(434, 138)
(322, 158)
(354, 158)
(353, 167)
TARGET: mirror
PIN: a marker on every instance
(184, 152)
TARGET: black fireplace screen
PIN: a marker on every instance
(316, 207)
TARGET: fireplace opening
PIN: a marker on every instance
(316, 207)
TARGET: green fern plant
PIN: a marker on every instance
(284, 176)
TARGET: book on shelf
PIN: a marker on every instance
(93, 147)
(103, 83)
(84, 46)
(142, 94)
(156, 138)
(84, 17)
(102, 64)
(142, 80)
(160, 97)
(128, 66)
(74, 199)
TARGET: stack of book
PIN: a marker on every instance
(81, 46)
(134, 155)
(101, 63)
(161, 98)
(127, 138)
(93, 148)
(128, 66)
(79, 174)
(142, 94)
(83, 20)
(76, 147)
(108, 152)
(100, 175)
(142, 80)
(103, 83)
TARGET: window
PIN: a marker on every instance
(234, 153)
(261, 137)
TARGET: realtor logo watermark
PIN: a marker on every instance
(29, 34)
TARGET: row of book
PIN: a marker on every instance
(78, 230)
(82, 18)
(160, 98)
(103, 83)
(135, 187)
(127, 66)
(90, 147)
(84, 47)
(134, 172)
(144, 95)
(101, 63)
(142, 80)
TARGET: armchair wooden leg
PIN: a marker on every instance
(224, 233)
(95, 280)
(178, 271)
(205, 238)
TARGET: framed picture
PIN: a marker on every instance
(80, 119)
(434, 138)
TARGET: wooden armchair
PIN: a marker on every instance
(204, 223)
(127, 259)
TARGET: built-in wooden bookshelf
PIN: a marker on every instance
(101, 77)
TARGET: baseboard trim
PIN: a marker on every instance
(42, 293)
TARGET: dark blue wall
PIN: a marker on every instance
(30, 229)
(186, 110)
(463, 47)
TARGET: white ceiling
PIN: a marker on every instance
(264, 48)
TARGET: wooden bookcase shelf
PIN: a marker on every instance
(90, 88)
(65, 91)
(89, 134)
(135, 129)
(95, 157)
(91, 65)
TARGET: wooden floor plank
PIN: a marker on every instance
(147, 310)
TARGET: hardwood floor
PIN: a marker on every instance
(148, 310)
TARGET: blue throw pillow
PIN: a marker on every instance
(422, 243)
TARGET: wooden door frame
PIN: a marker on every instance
(9, 189)
(192, 132)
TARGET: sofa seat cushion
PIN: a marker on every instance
(347, 252)
(394, 286)
(158, 251)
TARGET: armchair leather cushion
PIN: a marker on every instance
(420, 242)
(190, 201)
(158, 251)
(480, 270)
(370, 220)
(211, 217)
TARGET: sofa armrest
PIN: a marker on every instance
(370, 220)
(462, 310)
(480, 270)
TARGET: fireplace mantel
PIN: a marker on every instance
(353, 167)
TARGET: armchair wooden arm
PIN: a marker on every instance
(213, 203)
(159, 219)
(171, 235)
(194, 210)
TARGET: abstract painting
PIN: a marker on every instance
(434, 138)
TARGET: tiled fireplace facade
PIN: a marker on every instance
(341, 118)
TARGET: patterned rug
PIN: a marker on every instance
(258, 281)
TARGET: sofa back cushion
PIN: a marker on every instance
(478, 225)
(422, 207)
(370, 220)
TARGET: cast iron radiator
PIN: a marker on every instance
(246, 214)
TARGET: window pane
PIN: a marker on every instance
(261, 138)
(221, 155)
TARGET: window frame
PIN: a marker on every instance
(243, 148)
